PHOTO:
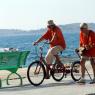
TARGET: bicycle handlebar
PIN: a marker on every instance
(46, 42)
(41, 46)
(77, 52)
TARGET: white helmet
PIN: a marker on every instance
(84, 25)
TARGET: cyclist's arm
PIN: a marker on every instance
(39, 40)
(44, 37)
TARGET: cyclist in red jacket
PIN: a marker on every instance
(87, 41)
(57, 42)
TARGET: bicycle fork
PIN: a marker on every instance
(37, 70)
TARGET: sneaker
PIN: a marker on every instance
(47, 77)
(81, 80)
(93, 81)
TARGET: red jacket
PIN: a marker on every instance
(59, 40)
(90, 41)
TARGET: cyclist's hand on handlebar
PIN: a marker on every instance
(87, 47)
(77, 50)
(35, 43)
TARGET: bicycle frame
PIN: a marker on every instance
(39, 68)
(42, 61)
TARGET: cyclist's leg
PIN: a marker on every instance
(82, 63)
(51, 56)
(55, 52)
(57, 58)
(49, 59)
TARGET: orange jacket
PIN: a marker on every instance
(59, 40)
(90, 41)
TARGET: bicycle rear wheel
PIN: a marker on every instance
(36, 73)
(75, 71)
(57, 72)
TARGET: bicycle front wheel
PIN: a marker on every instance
(57, 72)
(76, 71)
(36, 73)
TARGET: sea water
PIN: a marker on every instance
(24, 43)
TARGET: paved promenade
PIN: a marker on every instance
(49, 87)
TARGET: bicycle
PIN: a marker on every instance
(37, 70)
(76, 65)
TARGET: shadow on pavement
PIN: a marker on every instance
(30, 87)
(91, 94)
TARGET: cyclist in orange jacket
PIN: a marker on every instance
(87, 41)
(57, 42)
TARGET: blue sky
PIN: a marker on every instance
(34, 14)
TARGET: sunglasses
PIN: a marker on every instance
(83, 28)
(51, 26)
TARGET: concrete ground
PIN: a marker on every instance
(50, 87)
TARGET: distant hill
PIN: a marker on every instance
(68, 28)
(14, 32)
(72, 28)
